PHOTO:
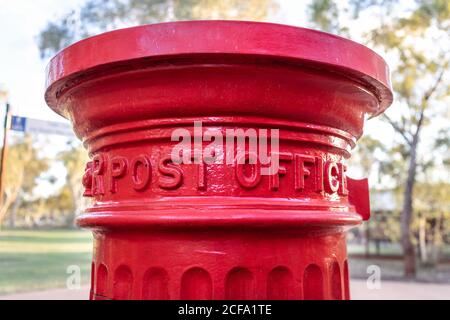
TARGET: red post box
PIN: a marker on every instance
(220, 229)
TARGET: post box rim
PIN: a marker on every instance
(244, 38)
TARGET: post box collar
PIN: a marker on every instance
(308, 47)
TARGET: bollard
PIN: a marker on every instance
(166, 228)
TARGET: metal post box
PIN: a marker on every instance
(228, 228)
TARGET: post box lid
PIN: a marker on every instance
(186, 38)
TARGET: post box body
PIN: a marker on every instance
(222, 230)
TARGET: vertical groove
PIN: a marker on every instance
(123, 280)
(280, 284)
(239, 285)
(336, 281)
(155, 284)
(91, 291)
(196, 284)
(313, 283)
(102, 280)
(346, 281)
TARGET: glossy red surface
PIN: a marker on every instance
(219, 231)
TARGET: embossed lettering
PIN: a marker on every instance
(98, 170)
(141, 177)
(319, 174)
(213, 152)
(274, 180)
(331, 176)
(309, 173)
(172, 175)
(87, 180)
(343, 181)
(118, 170)
(248, 182)
(201, 176)
(301, 171)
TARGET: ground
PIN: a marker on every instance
(389, 290)
(36, 262)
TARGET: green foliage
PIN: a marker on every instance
(23, 168)
(325, 15)
(415, 37)
(384, 226)
(56, 210)
(442, 143)
(97, 16)
(366, 153)
(419, 75)
(70, 198)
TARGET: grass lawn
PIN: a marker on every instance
(35, 260)
(391, 264)
(32, 260)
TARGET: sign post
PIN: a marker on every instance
(29, 125)
(26, 125)
(4, 152)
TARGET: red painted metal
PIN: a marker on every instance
(216, 231)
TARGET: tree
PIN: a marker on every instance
(363, 157)
(420, 76)
(74, 159)
(23, 168)
(97, 16)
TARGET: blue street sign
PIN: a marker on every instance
(28, 125)
(18, 123)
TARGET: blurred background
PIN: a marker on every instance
(405, 153)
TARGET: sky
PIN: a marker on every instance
(22, 72)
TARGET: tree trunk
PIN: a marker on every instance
(367, 243)
(423, 239)
(408, 248)
(437, 240)
(8, 200)
(71, 218)
(12, 216)
(13, 212)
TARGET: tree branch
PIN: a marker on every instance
(425, 99)
(397, 128)
(430, 91)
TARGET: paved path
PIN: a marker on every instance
(389, 290)
(396, 290)
(53, 294)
